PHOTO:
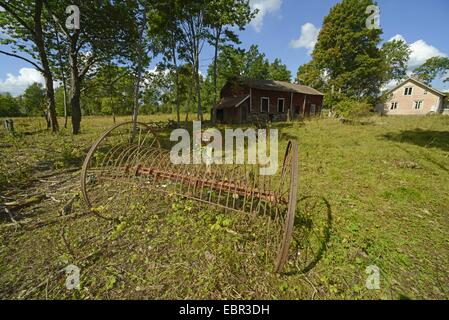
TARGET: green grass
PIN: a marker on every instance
(387, 184)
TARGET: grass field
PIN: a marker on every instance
(387, 183)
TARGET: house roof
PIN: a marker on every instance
(280, 86)
(230, 102)
(420, 83)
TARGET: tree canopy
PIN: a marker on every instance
(433, 68)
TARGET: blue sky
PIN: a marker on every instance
(286, 29)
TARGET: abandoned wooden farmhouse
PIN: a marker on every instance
(246, 100)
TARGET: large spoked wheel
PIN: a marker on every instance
(288, 187)
(106, 176)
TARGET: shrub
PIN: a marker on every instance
(350, 108)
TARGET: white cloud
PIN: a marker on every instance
(390, 85)
(421, 52)
(308, 37)
(265, 7)
(16, 85)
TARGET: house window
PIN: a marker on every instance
(312, 109)
(265, 102)
(408, 91)
(394, 106)
(418, 104)
(281, 103)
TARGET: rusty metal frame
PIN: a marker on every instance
(235, 188)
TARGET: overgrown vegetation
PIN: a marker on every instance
(386, 184)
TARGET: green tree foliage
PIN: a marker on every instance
(432, 69)
(346, 56)
(255, 64)
(33, 100)
(106, 30)
(9, 106)
(310, 75)
(279, 71)
(396, 54)
(109, 91)
(221, 16)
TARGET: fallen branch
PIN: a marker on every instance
(29, 225)
(15, 206)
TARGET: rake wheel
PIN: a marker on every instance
(288, 183)
(103, 169)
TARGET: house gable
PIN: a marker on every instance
(413, 97)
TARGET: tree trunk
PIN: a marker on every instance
(75, 90)
(177, 85)
(136, 95)
(64, 81)
(49, 90)
(189, 99)
(51, 106)
(217, 39)
(65, 102)
(198, 91)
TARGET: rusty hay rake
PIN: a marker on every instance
(129, 156)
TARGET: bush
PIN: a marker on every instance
(350, 108)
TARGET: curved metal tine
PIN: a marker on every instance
(200, 170)
(109, 156)
(98, 171)
(252, 189)
(270, 203)
(112, 151)
(180, 170)
(221, 179)
(172, 183)
(112, 177)
(212, 188)
(164, 162)
(236, 195)
(152, 156)
(197, 172)
(121, 173)
(140, 157)
(128, 163)
(231, 178)
(262, 191)
(153, 162)
(202, 186)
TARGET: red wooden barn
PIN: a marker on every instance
(243, 100)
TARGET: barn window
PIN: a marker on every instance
(408, 91)
(265, 102)
(281, 104)
(418, 104)
(312, 109)
(394, 106)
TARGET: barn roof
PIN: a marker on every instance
(230, 102)
(280, 86)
